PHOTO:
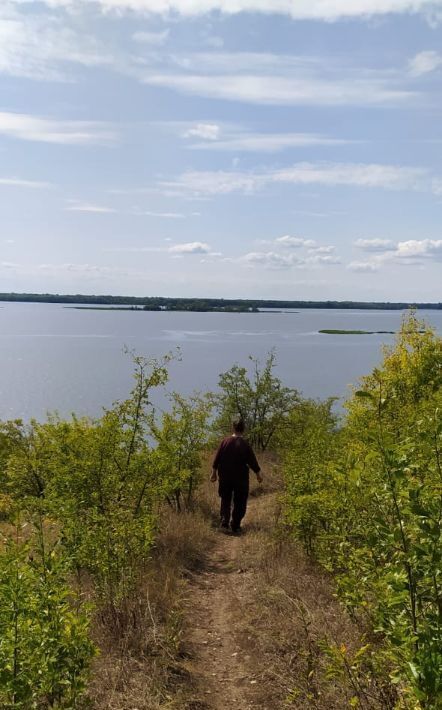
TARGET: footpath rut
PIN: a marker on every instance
(257, 617)
(220, 658)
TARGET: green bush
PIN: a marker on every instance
(259, 398)
(45, 649)
(102, 483)
(181, 436)
(367, 502)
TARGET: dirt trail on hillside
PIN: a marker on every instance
(256, 618)
(220, 657)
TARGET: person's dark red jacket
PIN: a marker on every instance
(234, 457)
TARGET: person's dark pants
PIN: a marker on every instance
(236, 490)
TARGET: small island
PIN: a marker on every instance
(192, 308)
(332, 331)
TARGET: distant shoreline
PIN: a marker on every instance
(146, 309)
(334, 331)
(161, 303)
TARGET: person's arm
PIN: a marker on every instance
(215, 463)
(254, 465)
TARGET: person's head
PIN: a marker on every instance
(238, 425)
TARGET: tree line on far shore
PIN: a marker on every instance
(158, 303)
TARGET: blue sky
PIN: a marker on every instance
(235, 148)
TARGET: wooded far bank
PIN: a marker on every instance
(158, 303)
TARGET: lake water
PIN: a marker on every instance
(58, 358)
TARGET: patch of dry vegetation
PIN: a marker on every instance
(139, 663)
(284, 613)
(291, 616)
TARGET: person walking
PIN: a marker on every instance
(231, 466)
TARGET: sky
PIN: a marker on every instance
(284, 149)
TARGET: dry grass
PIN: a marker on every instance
(292, 612)
(286, 610)
(138, 666)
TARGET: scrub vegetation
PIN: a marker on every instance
(365, 499)
(111, 571)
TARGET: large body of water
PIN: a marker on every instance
(58, 358)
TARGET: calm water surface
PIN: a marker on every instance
(58, 358)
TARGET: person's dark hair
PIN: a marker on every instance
(238, 425)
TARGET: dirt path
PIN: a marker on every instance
(256, 618)
(221, 660)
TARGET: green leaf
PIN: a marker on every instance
(364, 393)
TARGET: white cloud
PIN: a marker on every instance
(135, 250)
(205, 131)
(32, 184)
(327, 10)
(376, 245)
(164, 215)
(362, 267)
(155, 39)
(76, 206)
(274, 89)
(411, 252)
(70, 267)
(33, 128)
(176, 250)
(322, 259)
(275, 260)
(190, 248)
(207, 183)
(424, 248)
(243, 141)
(424, 63)
(33, 45)
(329, 249)
(294, 242)
(244, 62)
(269, 260)
(81, 270)
(437, 186)
(387, 177)
(315, 213)
(44, 45)
(278, 79)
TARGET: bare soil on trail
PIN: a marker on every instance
(255, 618)
(244, 623)
(220, 654)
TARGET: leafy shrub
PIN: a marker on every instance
(260, 399)
(181, 436)
(375, 517)
(45, 650)
(102, 482)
